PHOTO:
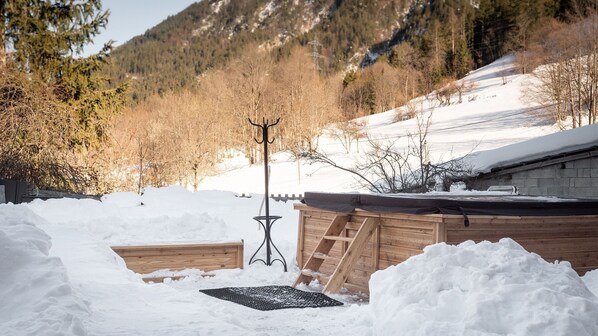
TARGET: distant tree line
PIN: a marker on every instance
(179, 137)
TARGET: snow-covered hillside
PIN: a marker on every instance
(491, 115)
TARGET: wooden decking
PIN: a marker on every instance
(146, 259)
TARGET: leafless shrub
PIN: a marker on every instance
(385, 169)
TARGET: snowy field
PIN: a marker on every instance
(60, 277)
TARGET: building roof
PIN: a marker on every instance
(571, 142)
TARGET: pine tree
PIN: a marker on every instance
(43, 40)
(42, 34)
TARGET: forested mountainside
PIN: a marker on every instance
(447, 37)
(208, 34)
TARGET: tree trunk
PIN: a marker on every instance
(140, 182)
(195, 182)
(2, 44)
(298, 170)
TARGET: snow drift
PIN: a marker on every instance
(591, 280)
(481, 289)
(35, 294)
(162, 215)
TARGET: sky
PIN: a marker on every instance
(129, 18)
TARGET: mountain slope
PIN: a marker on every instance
(438, 38)
(208, 34)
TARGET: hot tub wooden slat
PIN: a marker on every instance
(582, 269)
(176, 251)
(519, 221)
(454, 236)
(562, 244)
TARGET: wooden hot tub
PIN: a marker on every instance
(556, 229)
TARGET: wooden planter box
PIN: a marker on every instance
(146, 259)
(400, 235)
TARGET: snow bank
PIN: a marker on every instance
(171, 215)
(159, 216)
(121, 303)
(481, 289)
(35, 294)
(591, 281)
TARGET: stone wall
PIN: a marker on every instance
(575, 178)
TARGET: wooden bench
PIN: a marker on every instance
(146, 259)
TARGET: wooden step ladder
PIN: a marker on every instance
(346, 263)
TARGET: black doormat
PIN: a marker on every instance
(272, 297)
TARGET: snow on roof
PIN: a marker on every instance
(537, 148)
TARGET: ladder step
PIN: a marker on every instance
(311, 273)
(326, 257)
(323, 278)
(320, 255)
(316, 275)
(329, 258)
(345, 239)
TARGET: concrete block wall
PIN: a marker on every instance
(578, 179)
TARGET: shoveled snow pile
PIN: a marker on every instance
(591, 280)
(481, 289)
(36, 297)
(163, 215)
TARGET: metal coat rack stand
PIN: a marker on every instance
(266, 221)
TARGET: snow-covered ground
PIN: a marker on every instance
(78, 286)
(58, 275)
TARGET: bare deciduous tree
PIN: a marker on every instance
(569, 80)
(36, 132)
(386, 169)
(348, 131)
